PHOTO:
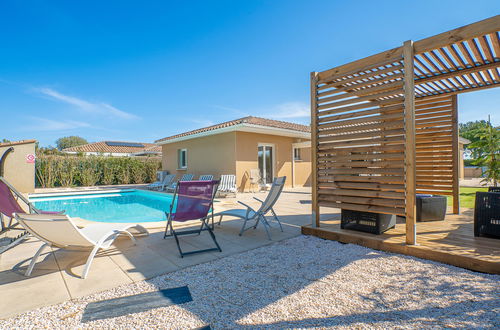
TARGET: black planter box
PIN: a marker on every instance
(369, 222)
(431, 207)
(487, 214)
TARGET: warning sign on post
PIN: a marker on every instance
(30, 158)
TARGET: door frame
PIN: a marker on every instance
(273, 159)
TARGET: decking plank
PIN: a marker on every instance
(451, 241)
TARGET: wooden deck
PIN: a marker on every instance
(451, 241)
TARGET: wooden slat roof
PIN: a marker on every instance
(456, 61)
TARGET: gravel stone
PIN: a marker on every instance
(301, 282)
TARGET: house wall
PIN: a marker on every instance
(212, 154)
(17, 170)
(302, 169)
(236, 153)
(246, 155)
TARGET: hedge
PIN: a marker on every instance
(67, 171)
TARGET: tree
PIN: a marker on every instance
(487, 147)
(469, 131)
(4, 141)
(70, 141)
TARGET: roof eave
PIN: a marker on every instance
(243, 127)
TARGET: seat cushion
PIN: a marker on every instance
(239, 213)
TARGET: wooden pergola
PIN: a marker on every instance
(385, 127)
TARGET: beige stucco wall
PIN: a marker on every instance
(302, 170)
(236, 153)
(213, 154)
(17, 171)
(246, 155)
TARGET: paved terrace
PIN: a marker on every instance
(56, 277)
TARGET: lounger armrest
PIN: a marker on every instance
(257, 199)
(249, 208)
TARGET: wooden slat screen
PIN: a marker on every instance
(360, 139)
(434, 147)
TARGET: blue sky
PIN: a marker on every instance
(140, 71)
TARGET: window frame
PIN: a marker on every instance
(295, 158)
(181, 166)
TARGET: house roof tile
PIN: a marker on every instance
(103, 147)
(245, 120)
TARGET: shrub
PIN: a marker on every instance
(68, 170)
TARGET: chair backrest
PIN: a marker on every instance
(193, 199)
(168, 179)
(55, 229)
(8, 203)
(187, 177)
(255, 177)
(227, 182)
(274, 194)
(493, 189)
(206, 177)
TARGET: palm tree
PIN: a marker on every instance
(488, 147)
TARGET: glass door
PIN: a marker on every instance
(266, 161)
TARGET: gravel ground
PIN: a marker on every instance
(298, 283)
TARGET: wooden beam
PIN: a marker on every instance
(410, 154)
(450, 74)
(314, 149)
(463, 33)
(456, 156)
(367, 63)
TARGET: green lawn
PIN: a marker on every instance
(467, 196)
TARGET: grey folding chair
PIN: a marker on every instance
(249, 214)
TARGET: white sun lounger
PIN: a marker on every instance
(173, 185)
(158, 185)
(227, 184)
(60, 231)
(249, 214)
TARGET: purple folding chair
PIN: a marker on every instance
(193, 200)
(9, 204)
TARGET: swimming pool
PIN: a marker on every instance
(117, 206)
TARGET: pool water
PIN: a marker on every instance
(121, 206)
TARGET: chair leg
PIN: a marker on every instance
(169, 224)
(212, 235)
(126, 232)
(89, 260)
(277, 219)
(34, 259)
(243, 227)
(220, 219)
(177, 241)
(266, 224)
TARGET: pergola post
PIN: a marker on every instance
(410, 143)
(456, 155)
(314, 151)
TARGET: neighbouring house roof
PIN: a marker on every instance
(249, 124)
(118, 147)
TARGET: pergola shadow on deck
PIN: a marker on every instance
(385, 127)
